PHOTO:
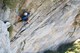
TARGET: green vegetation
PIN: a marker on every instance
(12, 3)
(67, 48)
(10, 29)
(75, 48)
(1, 1)
(64, 47)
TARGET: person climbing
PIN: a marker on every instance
(23, 17)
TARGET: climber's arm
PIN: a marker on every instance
(18, 17)
(28, 21)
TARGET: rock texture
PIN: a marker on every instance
(52, 23)
(4, 38)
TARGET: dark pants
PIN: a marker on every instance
(20, 21)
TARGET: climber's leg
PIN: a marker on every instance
(17, 22)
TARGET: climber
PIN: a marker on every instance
(23, 17)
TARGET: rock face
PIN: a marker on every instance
(52, 23)
(4, 38)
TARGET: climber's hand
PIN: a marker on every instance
(19, 18)
(28, 21)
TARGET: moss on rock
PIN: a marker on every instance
(10, 29)
(75, 48)
(12, 3)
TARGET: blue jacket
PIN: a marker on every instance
(25, 18)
